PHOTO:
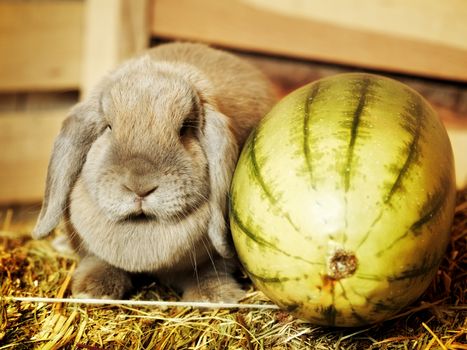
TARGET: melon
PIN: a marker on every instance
(342, 200)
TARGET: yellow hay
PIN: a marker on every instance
(153, 318)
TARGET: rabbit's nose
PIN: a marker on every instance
(146, 192)
(141, 191)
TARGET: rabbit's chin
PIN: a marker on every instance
(140, 243)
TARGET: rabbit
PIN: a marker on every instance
(141, 169)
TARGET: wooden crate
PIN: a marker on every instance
(26, 141)
(54, 45)
(41, 45)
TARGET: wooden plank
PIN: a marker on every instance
(264, 26)
(458, 137)
(426, 20)
(37, 101)
(40, 42)
(26, 140)
(114, 30)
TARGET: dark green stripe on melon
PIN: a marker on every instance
(329, 314)
(293, 307)
(412, 123)
(270, 279)
(356, 121)
(432, 207)
(257, 238)
(368, 277)
(256, 171)
(430, 210)
(424, 269)
(311, 97)
(362, 320)
(390, 303)
(255, 168)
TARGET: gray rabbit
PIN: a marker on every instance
(141, 170)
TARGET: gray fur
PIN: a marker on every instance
(149, 192)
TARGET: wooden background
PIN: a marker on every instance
(54, 51)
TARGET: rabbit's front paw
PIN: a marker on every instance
(96, 279)
(215, 289)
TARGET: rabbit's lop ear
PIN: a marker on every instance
(79, 130)
(221, 150)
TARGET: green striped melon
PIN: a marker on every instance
(342, 200)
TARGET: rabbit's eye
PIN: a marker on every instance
(188, 128)
(183, 130)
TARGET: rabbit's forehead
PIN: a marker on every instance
(161, 98)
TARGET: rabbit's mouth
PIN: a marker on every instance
(139, 217)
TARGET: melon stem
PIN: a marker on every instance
(342, 264)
